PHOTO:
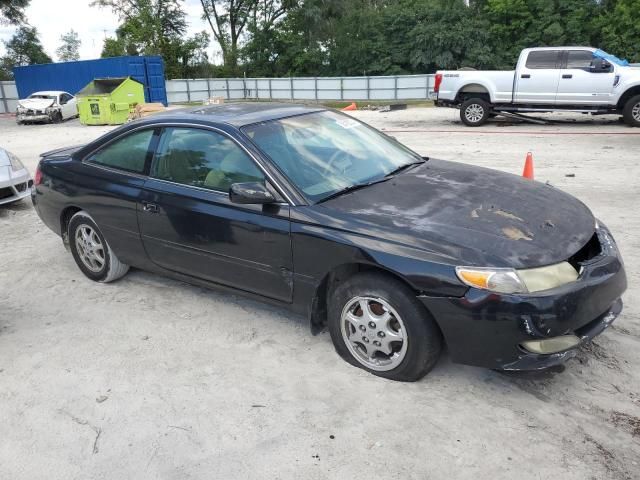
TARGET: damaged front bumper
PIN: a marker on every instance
(34, 116)
(489, 329)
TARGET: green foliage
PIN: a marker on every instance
(24, 48)
(69, 50)
(157, 27)
(12, 11)
(621, 29)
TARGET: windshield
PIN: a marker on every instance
(325, 152)
(611, 58)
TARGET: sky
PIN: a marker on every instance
(53, 18)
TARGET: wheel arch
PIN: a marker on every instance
(627, 95)
(471, 90)
(319, 304)
(65, 218)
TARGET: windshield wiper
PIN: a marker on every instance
(404, 167)
(351, 188)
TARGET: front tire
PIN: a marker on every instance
(474, 112)
(92, 253)
(377, 324)
(631, 112)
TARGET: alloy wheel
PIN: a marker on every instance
(474, 113)
(90, 248)
(374, 333)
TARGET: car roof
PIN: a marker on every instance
(239, 114)
(48, 92)
(571, 47)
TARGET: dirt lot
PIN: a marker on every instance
(152, 378)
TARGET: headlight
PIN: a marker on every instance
(16, 164)
(509, 280)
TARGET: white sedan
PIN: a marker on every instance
(15, 181)
(51, 107)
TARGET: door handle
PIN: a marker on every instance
(150, 207)
(567, 76)
(525, 75)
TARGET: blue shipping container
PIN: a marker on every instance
(73, 76)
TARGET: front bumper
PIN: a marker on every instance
(32, 117)
(14, 186)
(487, 329)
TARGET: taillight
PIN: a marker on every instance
(38, 177)
(436, 87)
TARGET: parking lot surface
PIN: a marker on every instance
(152, 378)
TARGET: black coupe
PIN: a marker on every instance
(396, 254)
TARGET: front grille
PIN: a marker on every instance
(21, 187)
(591, 250)
(5, 193)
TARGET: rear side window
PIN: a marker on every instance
(204, 159)
(579, 59)
(543, 59)
(128, 153)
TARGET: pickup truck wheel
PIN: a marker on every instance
(631, 112)
(92, 253)
(377, 324)
(474, 112)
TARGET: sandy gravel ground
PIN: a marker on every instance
(151, 378)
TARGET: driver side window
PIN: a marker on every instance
(204, 159)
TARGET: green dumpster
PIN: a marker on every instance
(109, 101)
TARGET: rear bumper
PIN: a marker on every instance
(487, 329)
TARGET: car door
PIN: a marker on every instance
(190, 226)
(109, 184)
(69, 107)
(581, 83)
(537, 80)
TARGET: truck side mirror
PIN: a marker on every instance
(600, 65)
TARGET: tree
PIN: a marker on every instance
(227, 19)
(70, 48)
(620, 26)
(24, 48)
(12, 11)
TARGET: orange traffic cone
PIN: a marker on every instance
(351, 107)
(528, 167)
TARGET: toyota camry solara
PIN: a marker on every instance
(396, 254)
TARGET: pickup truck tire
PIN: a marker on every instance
(474, 112)
(92, 253)
(631, 112)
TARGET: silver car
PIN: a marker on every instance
(15, 181)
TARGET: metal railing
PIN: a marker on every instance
(8, 97)
(388, 88)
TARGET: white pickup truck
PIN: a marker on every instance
(576, 79)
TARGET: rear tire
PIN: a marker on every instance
(92, 253)
(474, 112)
(631, 112)
(394, 320)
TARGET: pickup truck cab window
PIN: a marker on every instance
(579, 59)
(204, 159)
(128, 153)
(543, 59)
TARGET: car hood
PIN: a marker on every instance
(469, 215)
(4, 158)
(36, 103)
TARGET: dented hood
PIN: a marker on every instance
(36, 103)
(469, 215)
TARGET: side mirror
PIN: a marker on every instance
(250, 193)
(600, 65)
